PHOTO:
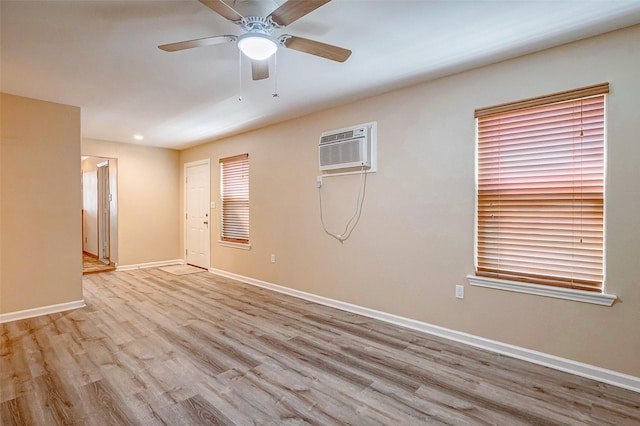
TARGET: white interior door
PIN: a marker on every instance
(104, 198)
(197, 220)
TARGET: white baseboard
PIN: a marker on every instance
(43, 310)
(611, 377)
(158, 264)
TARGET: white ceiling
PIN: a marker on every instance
(102, 56)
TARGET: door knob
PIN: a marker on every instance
(206, 223)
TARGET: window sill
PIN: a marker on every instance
(543, 290)
(241, 246)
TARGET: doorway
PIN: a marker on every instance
(197, 208)
(99, 214)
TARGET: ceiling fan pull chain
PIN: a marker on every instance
(239, 76)
(275, 93)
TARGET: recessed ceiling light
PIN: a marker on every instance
(138, 137)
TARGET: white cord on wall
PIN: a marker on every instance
(353, 222)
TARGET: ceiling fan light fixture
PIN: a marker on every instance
(257, 46)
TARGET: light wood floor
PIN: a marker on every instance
(91, 265)
(154, 348)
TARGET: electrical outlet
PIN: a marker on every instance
(459, 292)
(319, 181)
(273, 258)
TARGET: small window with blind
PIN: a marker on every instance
(234, 193)
(540, 194)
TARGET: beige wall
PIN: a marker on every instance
(414, 242)
(148, 200)
(40, 204)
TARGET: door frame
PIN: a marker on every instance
(185, 230)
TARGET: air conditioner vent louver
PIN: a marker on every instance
(336, 136)
(345, 149)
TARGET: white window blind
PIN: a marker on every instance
(540, 189)
(234, 190)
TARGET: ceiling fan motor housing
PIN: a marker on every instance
(257, 24)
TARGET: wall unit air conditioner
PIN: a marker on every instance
(347, 148)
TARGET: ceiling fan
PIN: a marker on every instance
(257, 41)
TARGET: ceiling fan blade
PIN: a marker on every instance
(206, 41)
(260, 69)
(221, 8)
(293, 10)
(316, 48)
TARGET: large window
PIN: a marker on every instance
(540, 190)
(234, 190)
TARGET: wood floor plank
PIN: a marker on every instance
(200, 411)
(106, 406)
(153, 348)
(51, 393)
(231, 403)
(312, 397)
(15, 412)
